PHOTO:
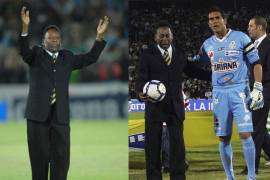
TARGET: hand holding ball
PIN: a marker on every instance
(155, 90)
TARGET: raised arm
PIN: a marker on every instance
(25, 20)
(25, 51)
(82, 60)
(102, 28)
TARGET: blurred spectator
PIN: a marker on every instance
(13, 69)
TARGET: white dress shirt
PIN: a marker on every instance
(51, 54)
(163, 51)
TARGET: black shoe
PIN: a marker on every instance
(266, 157)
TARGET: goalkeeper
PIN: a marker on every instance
(230, 52)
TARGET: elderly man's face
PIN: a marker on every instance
(164, 37)
(52, 40)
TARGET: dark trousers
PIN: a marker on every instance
(49, 147)
(165, 148)
(153, 133)
(260, 135)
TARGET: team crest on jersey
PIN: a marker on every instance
(211, 55)
(225, 66)
(232, 45)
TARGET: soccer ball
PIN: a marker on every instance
(155, 90)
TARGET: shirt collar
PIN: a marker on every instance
(220, 40)
(259, 40)
(51, 54)
(162, 50)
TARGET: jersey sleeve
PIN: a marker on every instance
(249, 49)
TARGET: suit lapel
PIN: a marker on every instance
(262, 44)
(60, 59)
(261, 48)
(159, 56)
(46, 63)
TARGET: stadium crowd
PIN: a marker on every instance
(77, 20)
(190, 28)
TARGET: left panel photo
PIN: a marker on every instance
(63, 90)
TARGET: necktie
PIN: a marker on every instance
(54, 57)
(167, 58)
(53, 96)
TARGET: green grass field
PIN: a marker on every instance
(99, 151)
(201, 152)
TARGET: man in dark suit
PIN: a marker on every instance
(47, 109)
(257, 31)
(165, 63)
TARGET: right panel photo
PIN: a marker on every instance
(199, 83)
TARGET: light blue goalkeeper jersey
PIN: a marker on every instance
(229, 57)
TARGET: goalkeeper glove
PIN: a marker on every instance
(256, 96)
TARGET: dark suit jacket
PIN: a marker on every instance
(264, 54)
(42, 78)
(153, 67)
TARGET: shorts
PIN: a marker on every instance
(231, 103)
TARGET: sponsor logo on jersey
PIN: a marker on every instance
(232, 53)
(225, 66)
(221, 49)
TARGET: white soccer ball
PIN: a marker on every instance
(155, 90)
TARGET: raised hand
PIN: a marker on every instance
(25, 16)
(102, 27)
(25, 20)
